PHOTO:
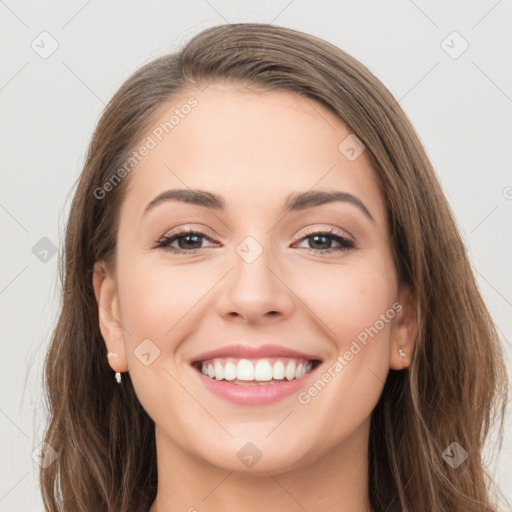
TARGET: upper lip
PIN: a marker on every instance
(241, 351)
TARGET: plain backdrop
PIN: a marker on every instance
(62, 62)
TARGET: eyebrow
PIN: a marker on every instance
(295, 202)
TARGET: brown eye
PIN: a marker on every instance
(321, 242)
(188, 241)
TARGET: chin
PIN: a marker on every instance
(258, 458)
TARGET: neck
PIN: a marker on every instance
(336, 481)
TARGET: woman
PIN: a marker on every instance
(260, 252)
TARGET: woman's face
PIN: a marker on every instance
(313, 278)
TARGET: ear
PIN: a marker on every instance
(404, 329)
(109, 316)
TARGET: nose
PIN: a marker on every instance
(255, 292)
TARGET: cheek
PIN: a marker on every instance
(157, 307)
(356, 308)
(350, 301)
(157, 300)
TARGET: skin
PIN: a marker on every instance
(255, 148)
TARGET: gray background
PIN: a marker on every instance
(461, 108)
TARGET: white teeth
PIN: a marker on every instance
(262, 370)
(278, 370)
(230, 371)
(219, 371)
(244, 370)
(290, 370)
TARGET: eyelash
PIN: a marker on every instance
(165, 241)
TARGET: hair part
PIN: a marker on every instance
(456, 385)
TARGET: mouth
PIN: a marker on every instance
(254, 375)
(255, 371)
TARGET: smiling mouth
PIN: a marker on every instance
(250, 372)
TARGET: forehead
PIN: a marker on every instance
(251, 146)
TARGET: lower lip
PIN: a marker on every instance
(254, 394)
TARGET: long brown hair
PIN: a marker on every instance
(453, 391)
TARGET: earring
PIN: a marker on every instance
(403, 354)
(117, 375)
